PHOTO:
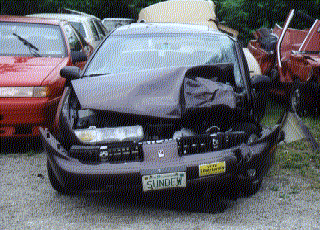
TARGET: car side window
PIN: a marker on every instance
(94, 31)
(99, 27)
(73, 40)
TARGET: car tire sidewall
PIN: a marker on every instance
(251, 188)
(297, 99)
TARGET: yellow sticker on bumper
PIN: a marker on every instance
(211, 169)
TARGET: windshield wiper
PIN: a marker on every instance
(33, 49)
(96, 74)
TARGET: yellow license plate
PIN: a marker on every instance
(212, 169)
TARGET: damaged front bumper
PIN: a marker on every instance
(230, 167)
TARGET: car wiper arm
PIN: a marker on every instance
(96, 74)
(28, 44)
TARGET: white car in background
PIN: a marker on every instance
(89, 26)
(112, 23)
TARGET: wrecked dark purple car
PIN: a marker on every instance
(161, 106)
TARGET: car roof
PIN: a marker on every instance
(23, 19)
(164, 28)
(116, 19)
(67, 17)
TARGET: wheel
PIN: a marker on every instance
(297, 102)
(260, 100)
(274, 76)
(261, 105)
(251, 188)
(55, 183)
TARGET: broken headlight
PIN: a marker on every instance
(94, 135)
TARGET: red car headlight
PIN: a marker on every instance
(42, 91)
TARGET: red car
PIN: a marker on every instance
(33, 51)
(291, 57)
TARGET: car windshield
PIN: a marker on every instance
(79, 27)
(29, 39)
(120, 54)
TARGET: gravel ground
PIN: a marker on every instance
(29, 202)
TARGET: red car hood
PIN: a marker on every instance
(27, 71)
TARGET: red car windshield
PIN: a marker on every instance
(29, 39)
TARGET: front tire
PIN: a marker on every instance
(297, 101)
(251, 188)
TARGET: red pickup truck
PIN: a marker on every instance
(291, 57)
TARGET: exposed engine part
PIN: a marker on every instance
(183, 133)
(213, 129)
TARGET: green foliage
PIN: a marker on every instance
(249, 15)
(100, 8)
(274, 188)
(137, 5)
(243, 15)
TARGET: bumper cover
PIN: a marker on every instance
(76, 175)
(23, 116)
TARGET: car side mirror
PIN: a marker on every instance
(260, 82)
(70, 72)
(78, 56)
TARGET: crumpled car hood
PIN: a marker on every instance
(165, 92)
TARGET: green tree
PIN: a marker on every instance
(249, 15)
(242, 15)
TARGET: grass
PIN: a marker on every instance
(297, 156)
(275, 188)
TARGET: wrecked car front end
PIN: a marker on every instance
(163, 164)
(185, 131)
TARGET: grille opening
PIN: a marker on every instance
(122, 152)
(159, 131)
(206, 143)
(196, 145)
(112, 153)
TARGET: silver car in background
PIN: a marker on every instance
(89, 26)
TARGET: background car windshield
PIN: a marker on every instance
(46, 38)
(121, 54)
